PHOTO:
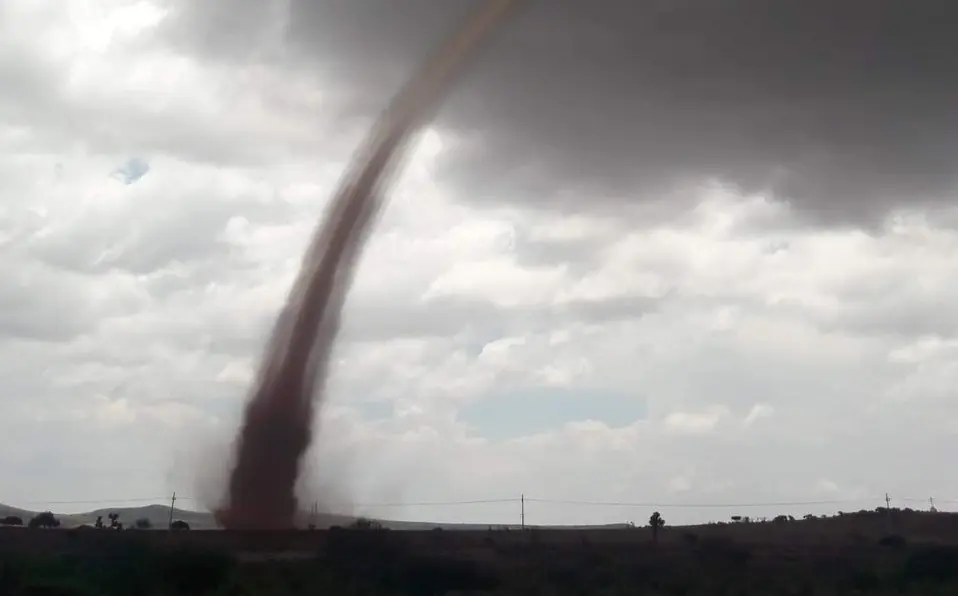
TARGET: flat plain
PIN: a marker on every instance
(873, 552)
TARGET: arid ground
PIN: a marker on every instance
(883, 552)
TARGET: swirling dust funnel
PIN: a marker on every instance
(277, 426)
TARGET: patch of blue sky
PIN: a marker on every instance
(132, 170)
(374, 411)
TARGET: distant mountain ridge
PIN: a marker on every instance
(159, 516)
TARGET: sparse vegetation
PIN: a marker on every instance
(115, 523)
(362, 523)
(656, 523)
(44, 520)
(179, 525)
(850, 554)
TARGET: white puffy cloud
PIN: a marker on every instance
(154, 206)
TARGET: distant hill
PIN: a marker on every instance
(6, 511)
(159, 516)
(850, 528)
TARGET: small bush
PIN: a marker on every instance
(44, 520)
(931, 564)
(892, 541)
(143, 524)
(363, 523)
(194, 571)
(58, 587)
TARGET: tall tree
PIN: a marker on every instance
(656, 523)
(44, 520)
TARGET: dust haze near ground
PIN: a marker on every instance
(277, 426)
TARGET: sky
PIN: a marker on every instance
(693, 257)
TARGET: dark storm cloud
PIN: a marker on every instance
(845, 108)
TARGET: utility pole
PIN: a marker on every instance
(891, 520)
(522, 511)
(172, 503)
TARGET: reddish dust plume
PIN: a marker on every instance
(277, 426)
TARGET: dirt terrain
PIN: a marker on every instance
(860, 530)
(883, 552)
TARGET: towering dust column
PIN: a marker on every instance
(276, 429)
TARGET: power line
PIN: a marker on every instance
(160, 500)
(440, 503)
(518, 501)
(698, 505)
(586, 503)
(104, 501)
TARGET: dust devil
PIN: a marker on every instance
(277, 425)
